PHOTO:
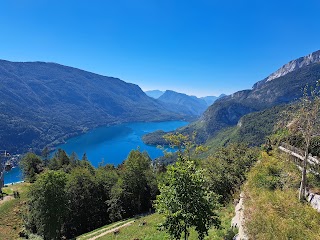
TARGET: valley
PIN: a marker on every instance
(112, 170)
(154, 120)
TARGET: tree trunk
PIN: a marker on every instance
(185, 232)
(302, 191)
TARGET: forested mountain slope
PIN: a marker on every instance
(227, 111)
(44, 102)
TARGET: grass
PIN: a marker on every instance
(272, 209)
(149, 231)
(102, 229)
(11, 212)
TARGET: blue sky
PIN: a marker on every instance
(198, 47)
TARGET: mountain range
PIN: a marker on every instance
(281, 87)
(45, 103)
(265, 94)
(183, 103)
(211, 99)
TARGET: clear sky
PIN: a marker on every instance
(201, 47)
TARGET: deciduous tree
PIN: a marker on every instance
(186, 202)
(306, 122)
(48, 204)
(31, 165)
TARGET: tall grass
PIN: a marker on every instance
(272, 209)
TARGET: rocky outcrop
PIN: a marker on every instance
(295, 64)
(314, 200)
(291, 66)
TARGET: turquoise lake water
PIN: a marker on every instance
(110, 144)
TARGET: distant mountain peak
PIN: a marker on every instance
(295, 64)
(184, 103)
(154, 93)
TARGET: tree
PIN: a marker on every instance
(85, 202)
(137, 175)
(62, 157)
(74, 160)
(31, 165)
(47, 204)
(184, 144)
(185, 201)
(84, 157)
(306, 123)
(45, 154)
(106, 179)
(226, 168)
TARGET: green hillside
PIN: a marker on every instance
(12, 210)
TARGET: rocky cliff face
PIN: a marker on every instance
(295, 64)
(283, 86)
(291, 66)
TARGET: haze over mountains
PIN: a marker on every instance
(41, 103)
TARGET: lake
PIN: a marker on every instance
(110, 145)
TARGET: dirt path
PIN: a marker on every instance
(6, 198)
(238, 220)
(112, 230)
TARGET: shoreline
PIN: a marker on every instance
(12, 183)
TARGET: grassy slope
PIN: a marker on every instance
(272, 209)
(11, 212)
(149, 231)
